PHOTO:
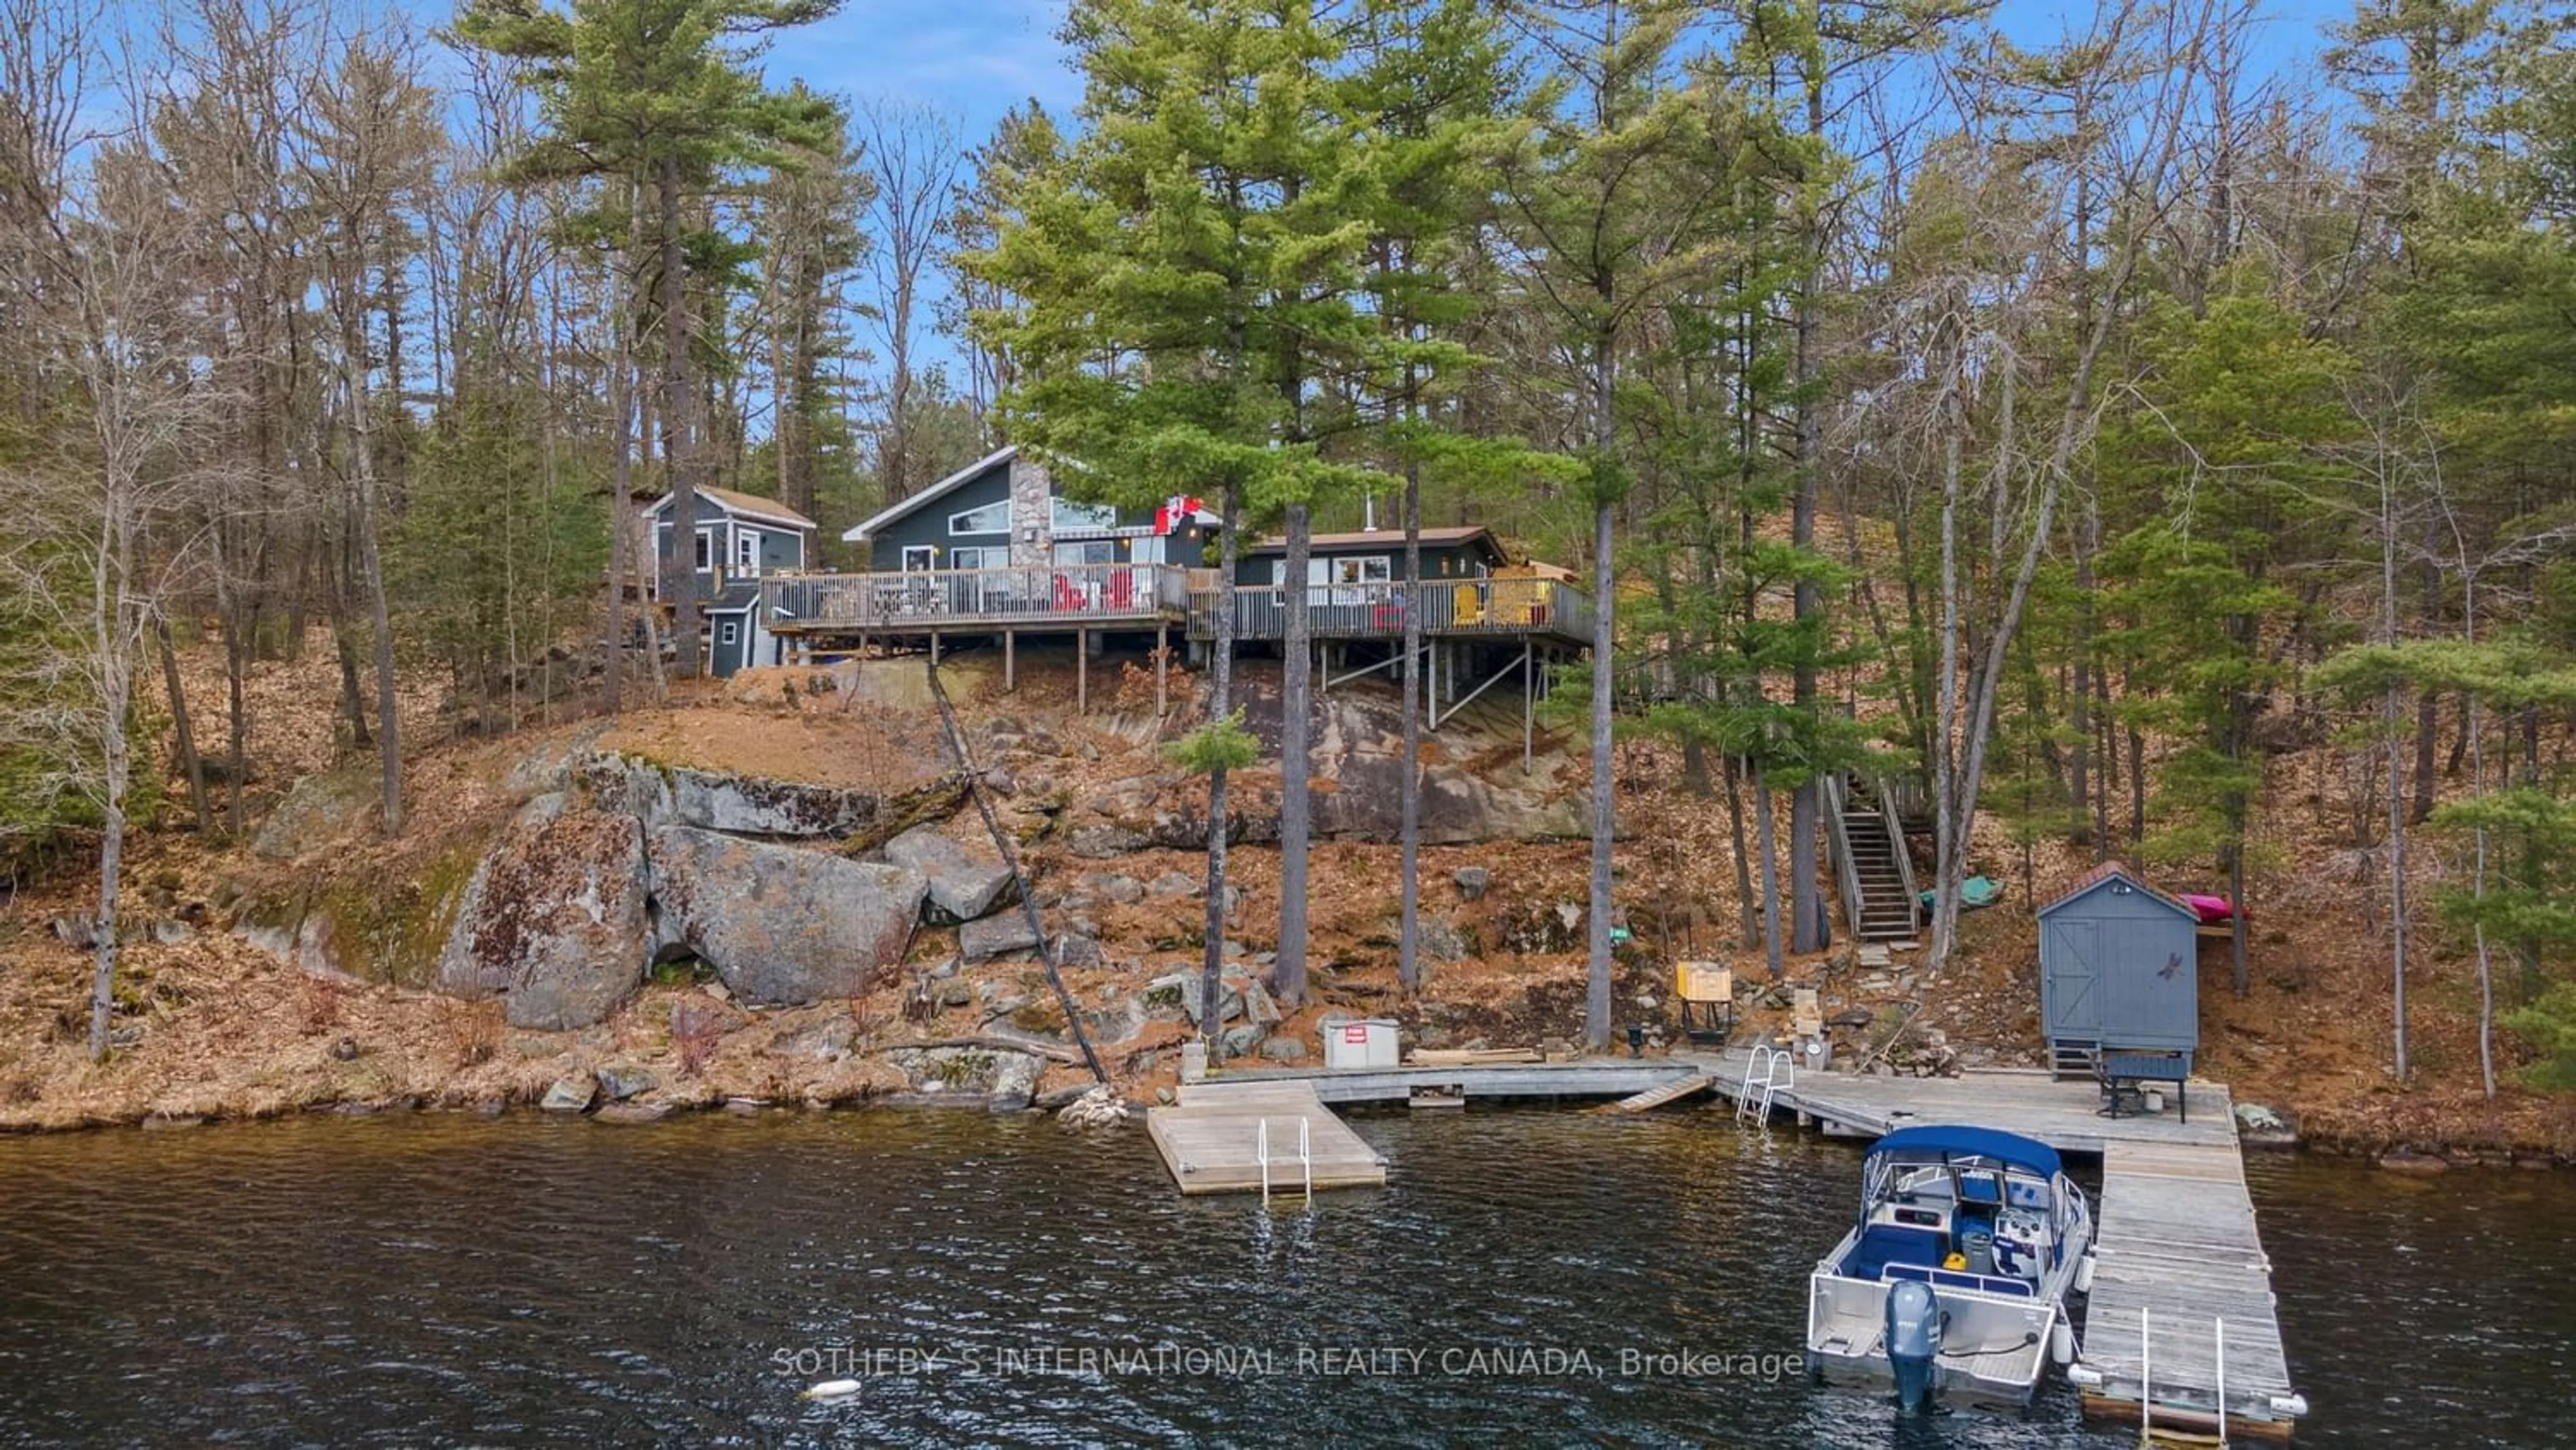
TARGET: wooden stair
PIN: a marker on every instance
(1671, 1092)
(2074, 1060)
(1886, 912)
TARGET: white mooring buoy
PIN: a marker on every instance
(834, 1390)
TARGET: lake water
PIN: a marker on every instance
(1526, 1275)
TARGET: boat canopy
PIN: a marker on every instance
(1942, 1144)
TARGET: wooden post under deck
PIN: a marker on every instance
(1082, 671)
(1162, 666)
(1010, 662)
(1526, 707)
(934, 649)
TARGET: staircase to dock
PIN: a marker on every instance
(1875, 876)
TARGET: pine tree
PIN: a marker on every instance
(1176, 288)
(660, 94)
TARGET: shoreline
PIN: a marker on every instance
(2407, 1155)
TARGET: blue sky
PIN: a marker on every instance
(976, 58)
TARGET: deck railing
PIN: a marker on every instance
(1376, 610)
(1067, 594)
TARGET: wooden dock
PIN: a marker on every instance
(1213, 1138)
(2175, 1242)
(2177, 1264)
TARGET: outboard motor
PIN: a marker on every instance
(1913, 1339)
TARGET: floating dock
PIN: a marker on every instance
(2182, 1313)
(1259, 1136)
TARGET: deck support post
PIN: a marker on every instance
(1082, 671)
(934, 649)
(1162, 668)
(1010, 660)
(1528, 708)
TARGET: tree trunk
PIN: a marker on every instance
(1806, 913)
(189, 764)
(1596, 994)
(680, 576)
(1296, 762)
(1220, 705)
(1748, 926)
(1767, 842)
(1408, 958)
(621, 476)
(371, 571)
(2428, 719)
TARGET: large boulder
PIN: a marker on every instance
(317, 811)
(782, 926)
(962, 888)
(748, 805)
(554, 920)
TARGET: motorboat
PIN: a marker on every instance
(1955, 1280)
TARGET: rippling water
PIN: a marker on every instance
(446, 1280)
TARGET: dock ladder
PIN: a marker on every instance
(1777, 1070)
(1305, 1160)
(2146, 1379)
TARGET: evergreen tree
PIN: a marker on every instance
(1177, 287)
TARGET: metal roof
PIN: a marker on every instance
(867, 528)
(1383, 538)
(2109, 871)
(750, 505)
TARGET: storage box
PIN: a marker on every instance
(1361, 1042)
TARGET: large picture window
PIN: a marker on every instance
(992, 518)
(918, 557)
(973, 557)
(1070, 517)
(1092, 551)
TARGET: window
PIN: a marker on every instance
(972, 557)
(918, 557)
(1091, 551)
(1071, 517)
(706, 550)
(728, 632)
(746, 552)
(1364, 569)
(992, 518)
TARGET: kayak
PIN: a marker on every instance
(2212, 910)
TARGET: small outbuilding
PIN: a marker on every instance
(2118, 970)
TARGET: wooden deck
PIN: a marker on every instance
(1211, 1138)
(2174, 1232)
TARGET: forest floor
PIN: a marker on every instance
(235, 1032)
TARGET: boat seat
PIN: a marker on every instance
(1985, 1283)
(1883, 1245)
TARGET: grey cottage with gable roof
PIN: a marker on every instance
(734, 540)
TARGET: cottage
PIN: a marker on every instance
(1375, 556)
(2118, 970)
(733, 540)
(1005, 511)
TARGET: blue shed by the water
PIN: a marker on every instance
(2118, 969)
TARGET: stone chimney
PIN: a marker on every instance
(1032, 514)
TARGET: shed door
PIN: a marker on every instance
(2074, 1006)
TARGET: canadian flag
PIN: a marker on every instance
(1175, 512)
